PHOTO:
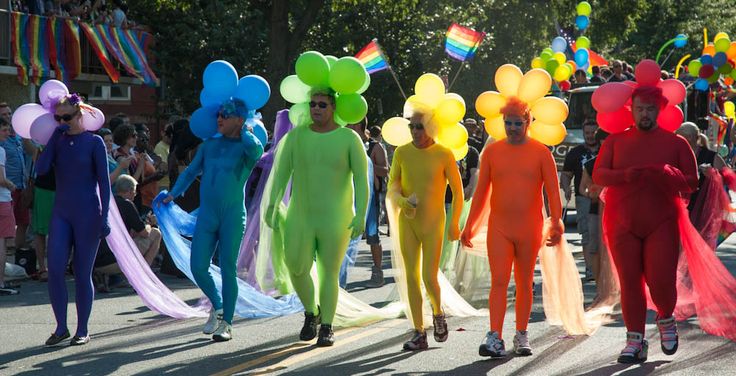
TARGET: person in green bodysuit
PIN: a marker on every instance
(324, 161)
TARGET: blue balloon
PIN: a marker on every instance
(259, 130)
(701, 84)
(253, 90)
(581, 56)
(582, 22)
(203, 124)
(212, 98)
(719, 59)
(680, 40)
(220, 76)
(706, 59)
(559, 44)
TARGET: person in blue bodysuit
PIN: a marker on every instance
(79, 215)
(225, 163)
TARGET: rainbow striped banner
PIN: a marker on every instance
(372, 57)
(18, 24)
(64, 48)
(461, 43)
(95, 40)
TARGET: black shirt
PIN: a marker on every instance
(476, 143)
(471, 161)
(594, 207)
(132, 221)
(47, 182)
(574, 161)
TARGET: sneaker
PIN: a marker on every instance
(326, 336)
(213, 322)
(417, 342)
(79, 341)
(311, 323)
(636, 349)
(224, 332)
(668, 335)
(56, 339)
(521, 343)
(492, 346)
(5, 290)
(376, 277)
(440, 328)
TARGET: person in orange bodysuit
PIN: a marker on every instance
(420, 173)
(512, 172)
(645, 170)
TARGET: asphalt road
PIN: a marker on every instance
(129, 339)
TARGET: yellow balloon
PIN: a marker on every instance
(729, 108)
(537, 62)
(550, 110)
(460, 152)
(534, 85)
(560, 57)
(548, 134)
(396, 131)
(450, 110)
(507, 79)
(562, 73)
(453, 136)
(416, 103)
(430, 88)
(495, 127)
(489, 103)
(719, 36)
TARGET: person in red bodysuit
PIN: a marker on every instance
(645, 171)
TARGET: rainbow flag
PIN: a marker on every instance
(95, 40)
(372, 57)
(18, 24)
(461, 43)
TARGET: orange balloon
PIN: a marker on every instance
(548, 134)
(731, 53)
(495, 127)
(507, 79)
(489, 103)
(728, 80)
(710, 49)
(574, 66)
(534, 85)
(550, 110)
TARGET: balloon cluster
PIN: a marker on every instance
(554, 61)
(221, 83)
(582, 21)
(443, 112)
(613, 100)
(36, 121)
(719, 58)
(345, 76)
(548, 112)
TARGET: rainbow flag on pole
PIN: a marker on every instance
(462, 43)
(372, 57)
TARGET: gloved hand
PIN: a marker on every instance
(105, 231)
(357, 226)
(408, 205)
(454, 233)
(273, 216)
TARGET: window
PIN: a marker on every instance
(110, 92)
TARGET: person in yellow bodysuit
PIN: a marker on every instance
(419, 176)
(512, 172)
(324, 162)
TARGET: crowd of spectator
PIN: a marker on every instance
(113, 12)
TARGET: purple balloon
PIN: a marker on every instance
(50, 92)
(24, 116)
(43, 128)
(92, 120)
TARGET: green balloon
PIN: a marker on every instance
(722, 45)
(366, 83)
(338, 120)
(313, 69)
(733, 74)
(694, 67)
(331, 60)
(725, 69)
(582, 42)
(714, 77)
(347, 75)
(549, 50)
(299, 114)
(584, 8)
(351, 107)
(545, 56)
(551, 66)
(294, 90)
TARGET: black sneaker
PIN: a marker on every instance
(6, 290)
(326, 336)
(636, 349)
(417, 342)
(55, 340)
(440, 328)
(311, 323)
(79, 341)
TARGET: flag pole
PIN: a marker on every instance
(393, 74)
(462, 64)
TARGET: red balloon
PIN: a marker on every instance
(670, 118)
(673, 90)
(647, 72)
(565, 85)
(633, 84)
(706, 71)
(611, 96)
(615, 122)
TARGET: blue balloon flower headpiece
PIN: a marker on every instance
(233, 107)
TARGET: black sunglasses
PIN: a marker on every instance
(314, 104)
(65, 117)
(516, 123)
(225, 116)
(417, 126)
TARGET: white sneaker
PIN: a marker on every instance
(521, 343)
(223, 333)
(492, 346)
(212, 322)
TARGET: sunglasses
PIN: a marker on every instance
(65, 117)
(314, 104)
(416, 126)
(515, 123)
(225, 115)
